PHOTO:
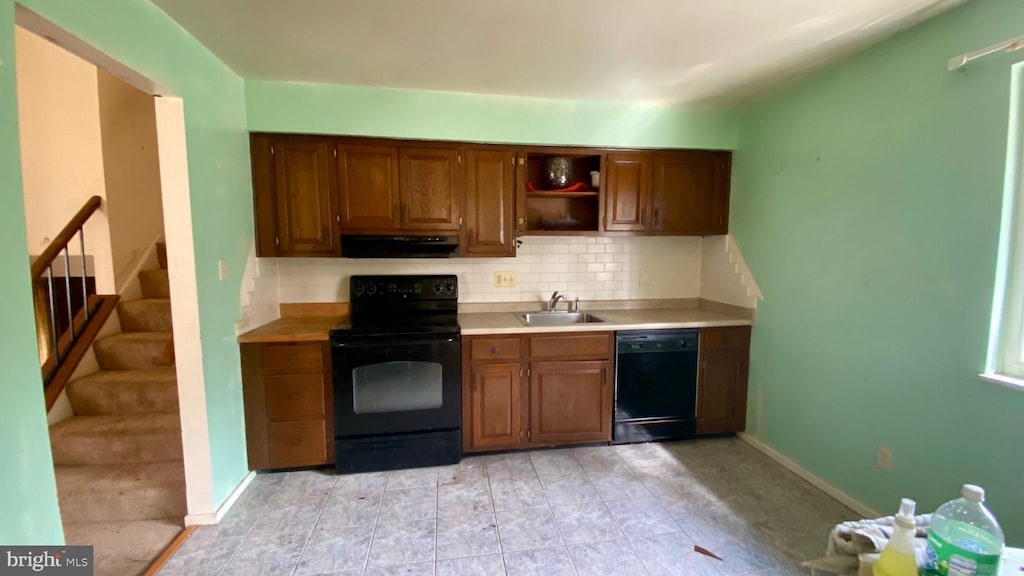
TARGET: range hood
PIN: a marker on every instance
(358, 246)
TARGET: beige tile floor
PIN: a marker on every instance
(602, 511)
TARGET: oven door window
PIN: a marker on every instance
(397, 387)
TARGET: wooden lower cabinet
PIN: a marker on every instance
(495, 398)
(722, 381)
(570, 402)
(516, 395)
(288, 404)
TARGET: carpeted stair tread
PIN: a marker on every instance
(125, 392)
(134, 350)
(155, 283)
(124, 548)
(145, 315)
(116, 439)
(120, 492)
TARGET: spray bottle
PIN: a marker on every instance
(898, 557)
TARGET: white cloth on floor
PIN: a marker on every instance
(856, 545)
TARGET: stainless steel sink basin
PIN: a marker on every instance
(558, 318)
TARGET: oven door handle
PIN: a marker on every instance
(378, 342)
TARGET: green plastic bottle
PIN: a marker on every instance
(964, 538)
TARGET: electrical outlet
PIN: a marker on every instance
(645, 277)
(504, 279)
(883, 459)
(222, 269)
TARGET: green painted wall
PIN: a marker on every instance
(144, 38)
(28, 496)
(363, 111)
(866, 200)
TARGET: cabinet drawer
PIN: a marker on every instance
(495, 349)
(302, 443)
(291, 357)
(295, 396)
(731, 338)
(571, 346)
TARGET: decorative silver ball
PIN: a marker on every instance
(559, 171)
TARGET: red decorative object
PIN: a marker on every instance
(577, 187)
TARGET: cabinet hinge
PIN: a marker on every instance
(512, 160)
(527, 371)
(520, 372)
(522, 161)
(460, 221)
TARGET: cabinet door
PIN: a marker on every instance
(690, 192)
(303, 197)
(570, 402)
(428, 179)
(489, 203)
(624, 183)
(368, 188)
(495, 416)
(722, 392)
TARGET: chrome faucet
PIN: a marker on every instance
(553, 301)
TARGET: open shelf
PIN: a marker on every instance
(559, 194)
(561, 212)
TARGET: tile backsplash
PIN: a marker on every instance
(587, 267)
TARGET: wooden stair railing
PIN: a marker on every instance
(66, 324)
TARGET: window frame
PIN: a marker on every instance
(1004, 363)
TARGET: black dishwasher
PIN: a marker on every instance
(655, 385)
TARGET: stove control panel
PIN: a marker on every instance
(404, 288)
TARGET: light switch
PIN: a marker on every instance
(504, 279)
(222, 269)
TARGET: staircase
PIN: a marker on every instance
(118, 460)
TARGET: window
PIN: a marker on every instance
(1005, 361)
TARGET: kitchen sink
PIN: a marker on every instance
(558, 318)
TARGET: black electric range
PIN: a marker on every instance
(397, 374)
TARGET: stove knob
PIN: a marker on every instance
(371, 289)
(437, 288)
(416, 288)
(357, 288)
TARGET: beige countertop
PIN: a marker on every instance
(311, 322)
(299, 323)
(615, 319)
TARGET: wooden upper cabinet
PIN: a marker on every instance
(495, 393)
(690, 192)
(293, 193)
(368, 188)
(624, 183)
(722, 380)
(429, 184)
(489, 201)
(570, 402)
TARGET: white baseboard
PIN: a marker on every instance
(802, 472)
(215, 517)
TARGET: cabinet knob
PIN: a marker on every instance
(293, 395)
(292, 358)
(496, 350)
(297, 442)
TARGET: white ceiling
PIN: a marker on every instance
(692, 51)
